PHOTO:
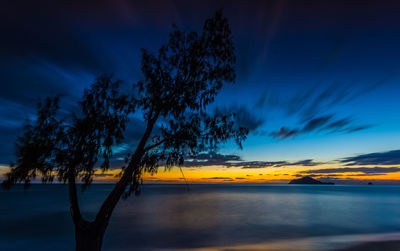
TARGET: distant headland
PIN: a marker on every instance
(309, 181)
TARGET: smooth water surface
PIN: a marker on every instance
(208, 217)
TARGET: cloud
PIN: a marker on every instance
(284, 133)
(62, 56)
(364, 170)
(314, 109)
(357, 128)
(377, 158)
(216, 159)
(316, 123)
(307, 162)
(243, 116)
(211, 159)
(259, 164)
(323, 123)
(360, 178)
(340, 123)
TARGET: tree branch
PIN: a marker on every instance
(73, 197)
(154, 145)
(112, 199)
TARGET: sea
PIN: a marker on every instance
(207, 217)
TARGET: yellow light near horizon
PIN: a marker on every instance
(220, 174)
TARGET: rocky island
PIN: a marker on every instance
(309, 181)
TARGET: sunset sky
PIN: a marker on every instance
(318, 82)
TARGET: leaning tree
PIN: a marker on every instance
(179, 82)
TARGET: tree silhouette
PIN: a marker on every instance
(180, 81)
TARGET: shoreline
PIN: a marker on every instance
(357, 242)
(392, 245)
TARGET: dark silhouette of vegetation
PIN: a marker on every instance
(180, 80)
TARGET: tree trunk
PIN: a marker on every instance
(88, 236)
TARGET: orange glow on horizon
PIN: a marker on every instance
(218, 174)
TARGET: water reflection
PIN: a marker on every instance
(209, 217)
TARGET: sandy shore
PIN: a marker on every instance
(359, 242)
(375, 246)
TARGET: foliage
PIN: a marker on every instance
(51, 147)
(179, 81)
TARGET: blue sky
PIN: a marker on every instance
(315, 79)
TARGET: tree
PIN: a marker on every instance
(180, 81)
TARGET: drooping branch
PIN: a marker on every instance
(159, 143)
(129, 174)
(179, 81)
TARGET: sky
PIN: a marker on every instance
(317, 81)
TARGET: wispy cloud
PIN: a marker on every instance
(314, 109)
(377, 158)
(243, 116)
(323, 123)
(363, 170)
(216, 159)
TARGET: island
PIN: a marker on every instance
(307, 180)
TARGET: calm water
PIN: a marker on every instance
(208, 217)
